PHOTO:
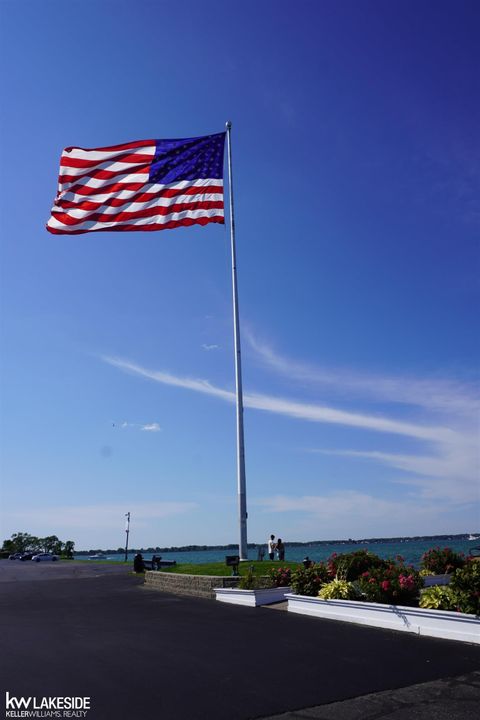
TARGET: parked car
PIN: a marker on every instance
(26, 556)
(15, 556)
(44, 556)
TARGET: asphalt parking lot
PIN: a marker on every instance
(73, 629)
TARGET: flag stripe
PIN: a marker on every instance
(126, 182)
(140, 199)
(183, 219)
(81, 217)
(119, 197)
(97, 158)
(111, 149)
(102, 173)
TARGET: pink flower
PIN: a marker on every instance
(385, 585)
(406, 582)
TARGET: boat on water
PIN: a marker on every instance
(474, 537)
(98, 556)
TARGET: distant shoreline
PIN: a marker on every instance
(234, 546)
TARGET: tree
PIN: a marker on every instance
(23, 542)
(52, 544)
(68, 548)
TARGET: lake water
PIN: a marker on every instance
(410, 550)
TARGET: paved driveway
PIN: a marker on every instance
(140, 654)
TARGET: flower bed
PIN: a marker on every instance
(431, 623)
(363, 588)
(440, 561)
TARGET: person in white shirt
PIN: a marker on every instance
(271, 547)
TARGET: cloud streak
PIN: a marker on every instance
(452, 397)
(289, 408)
(352, 514)
(451, 475)
(446, 471)
(148, 427)
(151, 427)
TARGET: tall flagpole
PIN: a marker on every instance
(242, 493)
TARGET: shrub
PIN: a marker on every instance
(439, 561)
(338, 590)
(350, 566)
(465, 583)
(249, 581)
(439, 597)
(396, 584)
(308, 581)
(280, 577)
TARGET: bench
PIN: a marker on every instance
(150, 565)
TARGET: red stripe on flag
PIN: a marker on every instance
(105, 174)
(186, 222)
(139, 197)
(104, 189)
(113, 148)
(147, 212)
(66, 161)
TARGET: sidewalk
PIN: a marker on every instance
(446, 699)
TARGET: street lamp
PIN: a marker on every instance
(127, 530)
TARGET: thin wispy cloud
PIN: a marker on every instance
(148, 427)
(450, 475)
(202, 386)
(210, 347)
(448, 468)
(347, 502)
(449, 396)
(151, 427)
(291, 408)
(354, 514)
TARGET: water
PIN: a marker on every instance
(410, 550)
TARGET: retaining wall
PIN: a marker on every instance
(197, 585)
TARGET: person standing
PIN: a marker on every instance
(280, 549)
(271, 547)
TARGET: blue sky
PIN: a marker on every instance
(356, 171)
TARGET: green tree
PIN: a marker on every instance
(52, 544)
(68, 548)
(24, 542)
(8, 547)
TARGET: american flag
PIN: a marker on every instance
(142, 185)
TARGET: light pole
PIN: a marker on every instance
(127, 530)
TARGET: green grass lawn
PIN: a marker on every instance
(219, 568)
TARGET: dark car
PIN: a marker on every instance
(26, 556)
(15, 556)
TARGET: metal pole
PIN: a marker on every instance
(242, 493)
(127, 530)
